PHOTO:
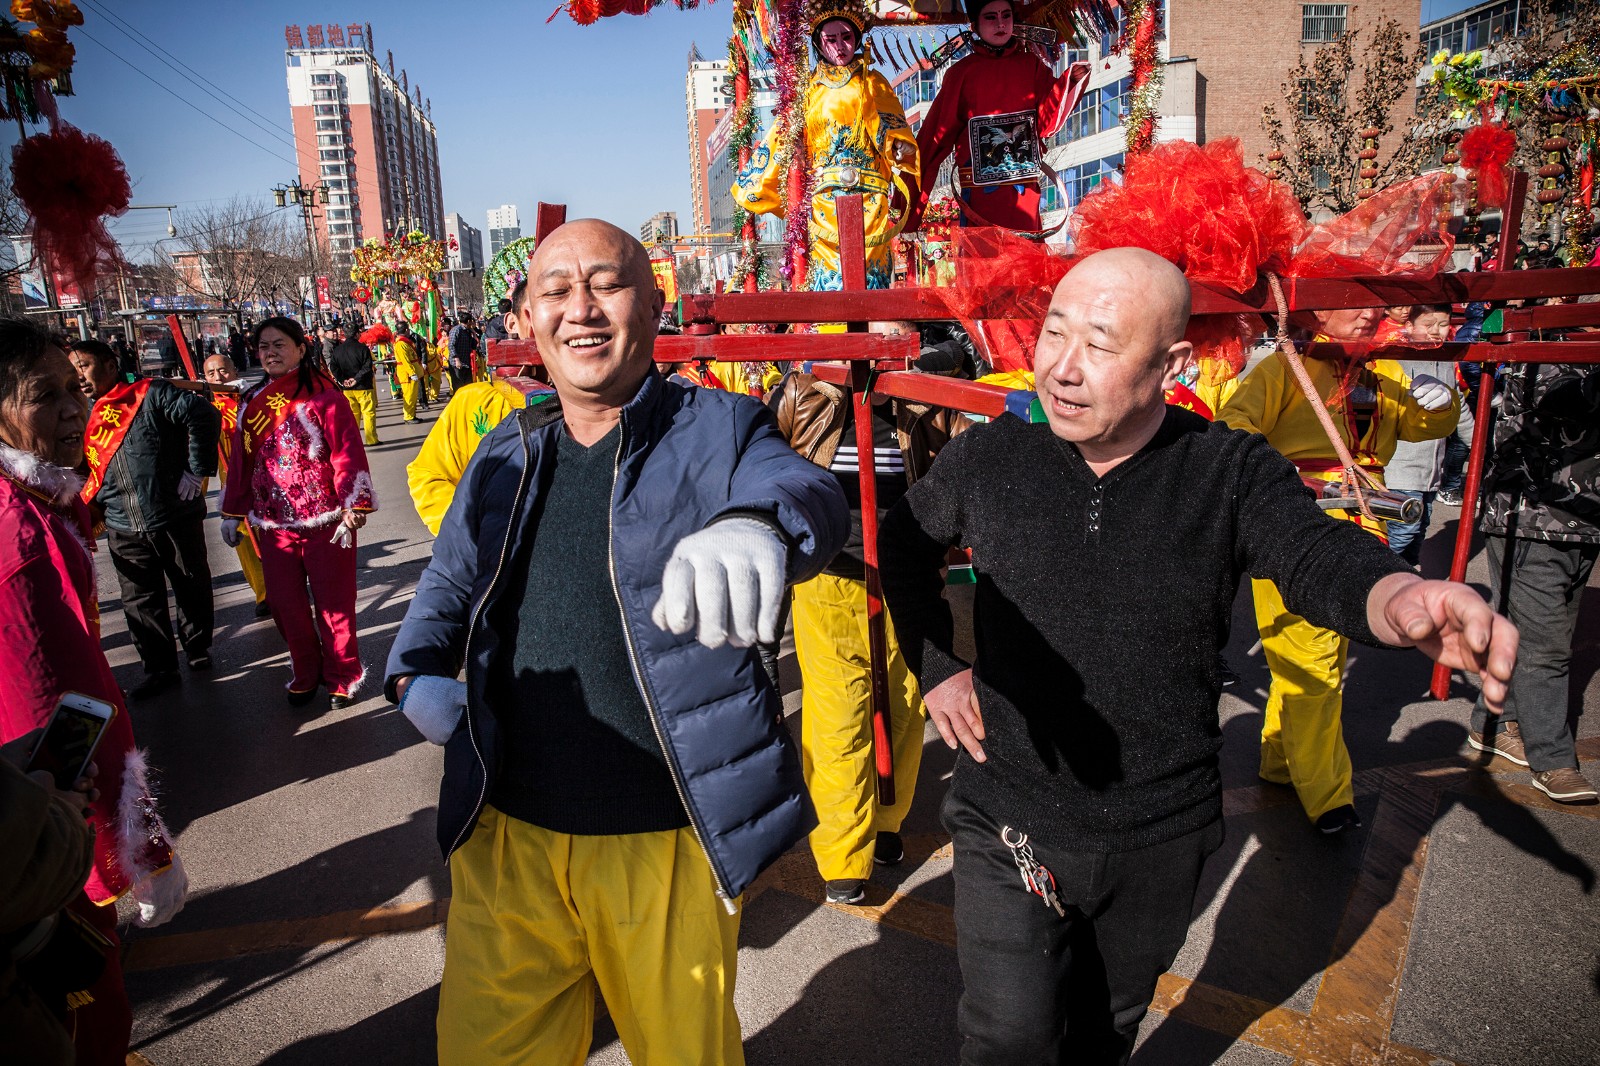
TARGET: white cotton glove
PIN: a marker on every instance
(1431, 393)
(189, 486)
(726, 583)
(434, 705)
(231, 534)
(343, 536)
(162, 895)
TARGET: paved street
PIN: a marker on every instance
(1460, 925)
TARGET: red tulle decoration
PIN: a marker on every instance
(1198, 207)
(1393, 232)
(70, 182)
(378, 333)
(1487, 148)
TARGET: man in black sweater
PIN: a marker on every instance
(1109, 545)
(351, 364)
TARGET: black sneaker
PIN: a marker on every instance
(848, 890)
(1331, 823)
(263, 609)
(199, 664)
(153, 684)
(339, 701)
(300, 699)
(889, 850)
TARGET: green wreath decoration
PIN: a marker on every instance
(509, 266)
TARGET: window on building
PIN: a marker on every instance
(1320, 23)
(338, 212)
(330, 153)
(322, 94)
(326, 110)
(331, 169)
(339, 227)
(330, 139)
(328, 124)
(322, 79)
(336, 184)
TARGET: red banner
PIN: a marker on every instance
(108, 424)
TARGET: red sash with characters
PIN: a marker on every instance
(227, 405)
(266, 411)
(108, 424)
(1181, 395)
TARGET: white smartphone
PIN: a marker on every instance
(71, 737)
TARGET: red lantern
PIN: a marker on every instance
(362, 294)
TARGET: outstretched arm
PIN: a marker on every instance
(1451, 624)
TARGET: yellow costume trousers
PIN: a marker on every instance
(539, 920)
(250, 563)
(408, 398)
(364, 404)
(1302, 732)
(830, 640)
(433, 384)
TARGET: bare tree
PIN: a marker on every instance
(237, 252)
(691, 275)
(1328, 104)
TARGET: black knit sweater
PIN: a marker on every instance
(1101, 607)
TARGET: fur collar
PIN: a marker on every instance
(55, 483)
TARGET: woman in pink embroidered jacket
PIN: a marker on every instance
(303, 485)
(50, 645)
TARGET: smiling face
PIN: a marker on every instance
(1430, 327)
(837, 41)
(995, 25)
(47, 412)
(1111, 343)
(278, 352)
(593, 308)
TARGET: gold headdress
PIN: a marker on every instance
(851, 11)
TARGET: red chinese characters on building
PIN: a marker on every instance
(336, 35)
(291, 36)
(314, 36)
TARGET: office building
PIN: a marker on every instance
(504, 227)
(468, 251)
(663, 225)
(706, 100)
(364, 134)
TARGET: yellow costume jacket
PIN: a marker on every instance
(854, 130)
(1269, 402)
(472, 412)
(407, 366)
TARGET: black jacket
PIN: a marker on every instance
(351, 360)
(175, 432)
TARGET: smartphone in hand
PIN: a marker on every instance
(71, 737)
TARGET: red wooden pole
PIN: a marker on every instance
(853, 269)
(546, 218)
(1483, 420)
(183, 346)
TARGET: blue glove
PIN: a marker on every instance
(435, 706)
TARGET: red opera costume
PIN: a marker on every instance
(302, 465)
(999, 89)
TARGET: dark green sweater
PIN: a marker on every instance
(580, 753)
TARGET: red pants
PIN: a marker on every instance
(321, 649)
(100, 1029)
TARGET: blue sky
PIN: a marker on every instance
(588, 116)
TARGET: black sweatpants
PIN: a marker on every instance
(145, 563)
(1041, 989)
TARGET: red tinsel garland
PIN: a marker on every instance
(377, 333)
(1487, 148)
(70, 182)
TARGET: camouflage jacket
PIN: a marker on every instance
(1543, 475)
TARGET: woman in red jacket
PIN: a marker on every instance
(50, 645)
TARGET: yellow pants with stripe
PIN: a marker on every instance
(1302, 731)
(830, 640)
(408, 398)
(539, 920)
(364, 405)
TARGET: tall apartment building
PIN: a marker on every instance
(706, 102)
(365, 134)
(468, 252)
(659, 225)
(504, 227)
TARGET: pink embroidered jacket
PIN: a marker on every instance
(308, 471)
(50, 644)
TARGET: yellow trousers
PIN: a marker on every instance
(364, 405)
(539, 920)
(830, 640)
(433, 385)
(408, 398)
(1302, 732)
(250, 563)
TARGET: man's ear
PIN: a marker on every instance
(660, 303)
(509, 321)
(1177, 359)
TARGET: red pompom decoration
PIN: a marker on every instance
(425, 285)
(361, 294)
(70, 182)
(376, 334)
(1487, 148)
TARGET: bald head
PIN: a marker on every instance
(217, 369)
(593, 239)
(1154, 289)
(1110, 345)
